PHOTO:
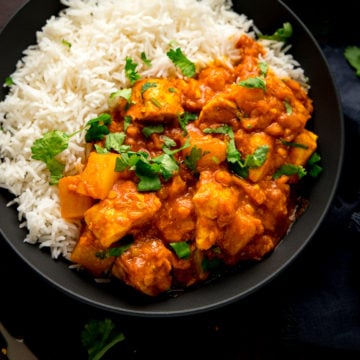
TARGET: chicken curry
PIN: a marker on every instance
(191, 175)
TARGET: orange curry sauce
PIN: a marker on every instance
(220, 217)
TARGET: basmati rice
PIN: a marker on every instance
(66, 78)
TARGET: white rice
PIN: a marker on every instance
(61, 87)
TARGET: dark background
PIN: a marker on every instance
(310, 310)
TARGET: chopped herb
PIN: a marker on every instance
(97, 127)
(253, 83)
(114, 251)
(9, 81)
(314, 168)
(290, 169)
(186, 66)
(127, 122)
(130, 70)
(293, 144)
(98, 337)
(147, 86)
(147, 131)
(66, 43)
(181, 248)
(263, 66)
(352, 55)
(148, 170)
(238, 165)
(169, 142)
(124, 93)
(192, 159)
(52, 143)
(184, 118)
(172, 90)
(47, 148)
(156, 102)
(288, 107)
(114, 141)
(281, 34)
(144, 58)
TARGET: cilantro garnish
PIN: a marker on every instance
(290, 169)
(293, 144)
(181, 248)
(147, 86)
(47, 148)
(313, 167)
(54, 142)
(147, 131)
(66, 43)
(97, 127)
(352, 55)
(257, 82)
(184, 118)
(281, 34)
(9, 81)
(186, 66)
(98, 337)
(237, 164)
(144, 58)
(130, 70)
(124, 93)
(192, 159)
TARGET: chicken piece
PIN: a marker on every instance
(176, 219)
(257, 249)
(243, 228)
(155, 100)
(219, 110)
(146, 266)
(123, 210)
(215, 206)
(248, 143)
(86, 253)
(299, 155)
(213, 149)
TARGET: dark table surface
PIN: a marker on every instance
(312, 309)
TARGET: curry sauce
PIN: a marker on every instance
(195, 173)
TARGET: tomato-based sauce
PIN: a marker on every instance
(201, 175)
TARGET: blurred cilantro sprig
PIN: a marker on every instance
(99, 336)
(352, 55)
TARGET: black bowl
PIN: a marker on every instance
(327, 122)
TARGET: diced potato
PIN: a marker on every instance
(99, 175)
(85, 254)
(124, 208)
(72, 204)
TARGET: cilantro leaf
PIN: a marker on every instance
(253, 83)
(130, 70)
(184, 118)
(290, 169)
(47, 148)
(352, 55)
(98, 337)
(97, 127)
(192, 159)
(281, 34)
(181, 248)
(186, 66)
(147, 131)
(145, 59)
